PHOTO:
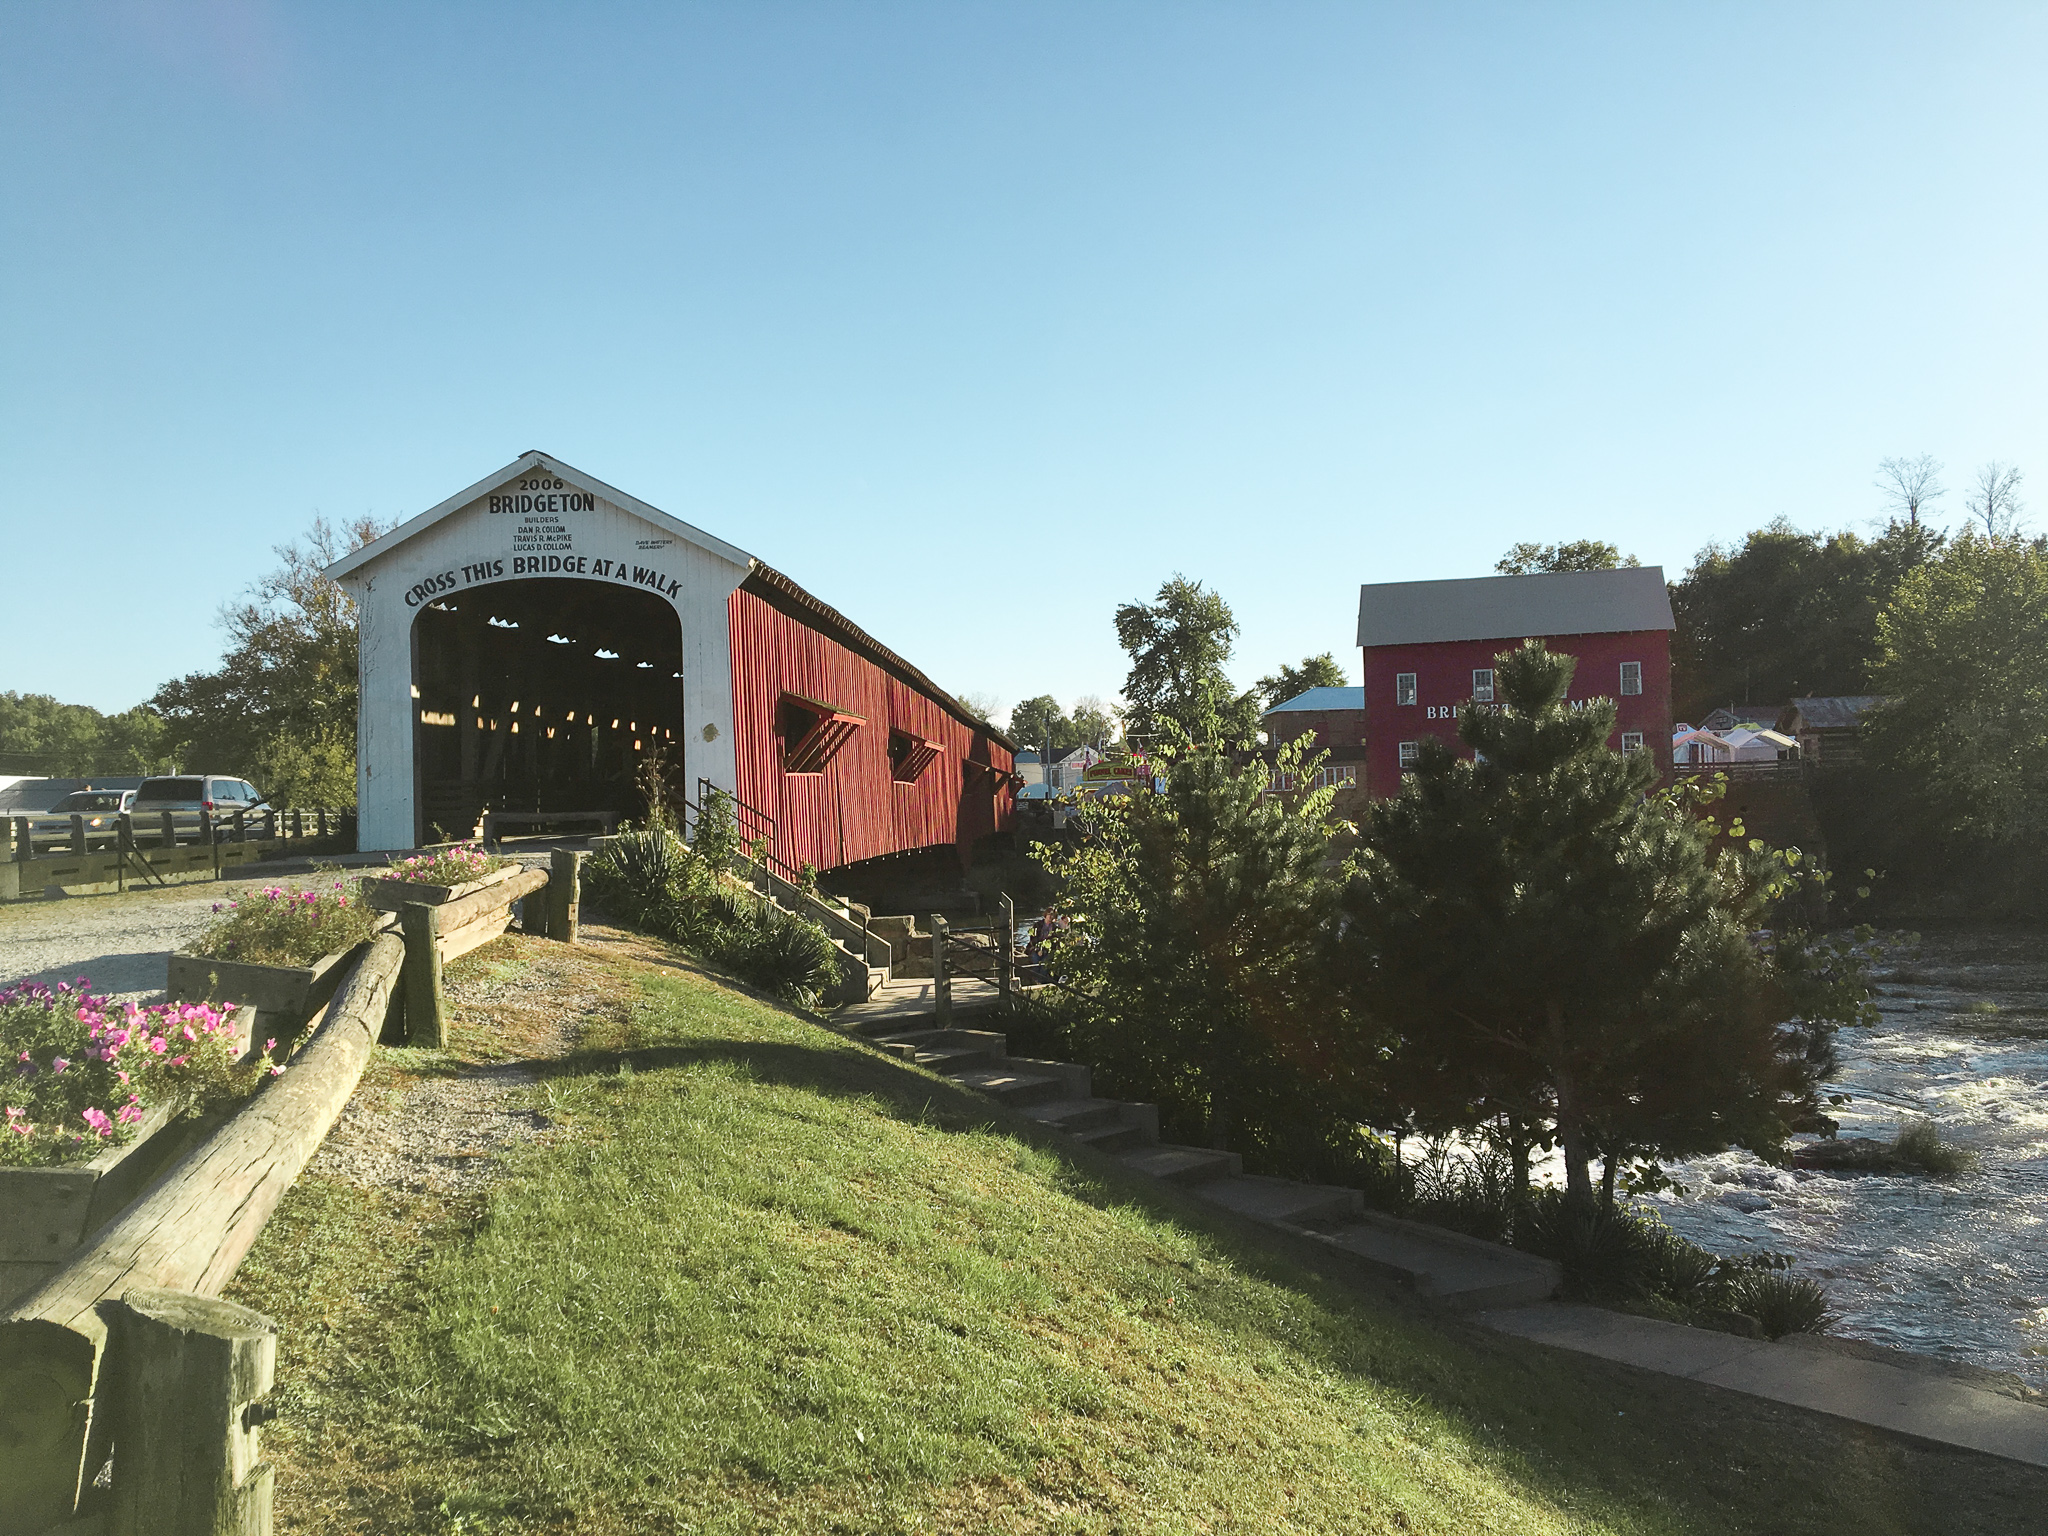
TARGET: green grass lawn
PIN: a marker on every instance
(763, 1279)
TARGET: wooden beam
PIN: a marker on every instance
(186, 1376)
(190, 1232)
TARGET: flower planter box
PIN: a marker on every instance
(269, 999)
(473, 913)
(46, 1213)
(392, 895)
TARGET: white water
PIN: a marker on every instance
(1958, 1269)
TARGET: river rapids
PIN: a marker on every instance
(1957, 1270)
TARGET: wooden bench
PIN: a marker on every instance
(495, 822)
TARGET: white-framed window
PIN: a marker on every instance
(1482, 685)
(1404, 687)
(1631, 678)
(1410, 751)
(1631, 741)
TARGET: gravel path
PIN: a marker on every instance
(443, 1135)
(121, 943)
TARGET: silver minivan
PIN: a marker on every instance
(189, 794)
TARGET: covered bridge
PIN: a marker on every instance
(529, 640)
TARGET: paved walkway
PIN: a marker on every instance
(1802, 1373)
(908, 1000)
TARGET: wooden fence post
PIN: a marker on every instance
(1006, 947)
(942, 984)
(565, 893)
(167, 835)
(426, 1009)
(77, 834)
(124, 844)
(188, 1375)
(24, 844)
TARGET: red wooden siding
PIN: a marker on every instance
(854, 809)
(1443, 681)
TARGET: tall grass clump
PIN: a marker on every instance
(1918, 1148)
(1619, 1253)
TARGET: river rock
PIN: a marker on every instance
(1747, 1201)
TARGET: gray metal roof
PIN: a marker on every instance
(1842, 713)
(1322, 698)
(1514, 607)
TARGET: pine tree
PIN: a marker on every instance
(1556, 954)
(1200, 916)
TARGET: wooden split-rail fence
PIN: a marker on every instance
(111, 852)
(131, 1395)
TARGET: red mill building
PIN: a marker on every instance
(527, 641)
(1429, 648)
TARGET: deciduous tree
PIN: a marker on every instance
(1177, 687)
(1963, 660)
(281, 708)
(1291, 682)
(40, 736)
(1786, 613)
(1576, 555)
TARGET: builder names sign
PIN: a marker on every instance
(539, 528)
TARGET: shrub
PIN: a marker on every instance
(1681, 1272)
(652, 881)
(1474, 1194)
(1780, 1303)
(640, 876)
(280, 927)
(783, 954)
(1615, 1251)
(448, 866)
(1597, 1243)
(86, 1072)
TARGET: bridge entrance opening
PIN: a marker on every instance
(541, 695)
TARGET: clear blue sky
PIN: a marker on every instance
(980, 319)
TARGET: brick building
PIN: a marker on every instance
(1336, 716)
(1429, 649)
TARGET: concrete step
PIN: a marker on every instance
(1013, 1083)
(952, 1060)
(1283, 1199)
(1183, 1165)
(947, 1050)
(1463, 1272)
(1077, 1115)
(1120, 1137)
